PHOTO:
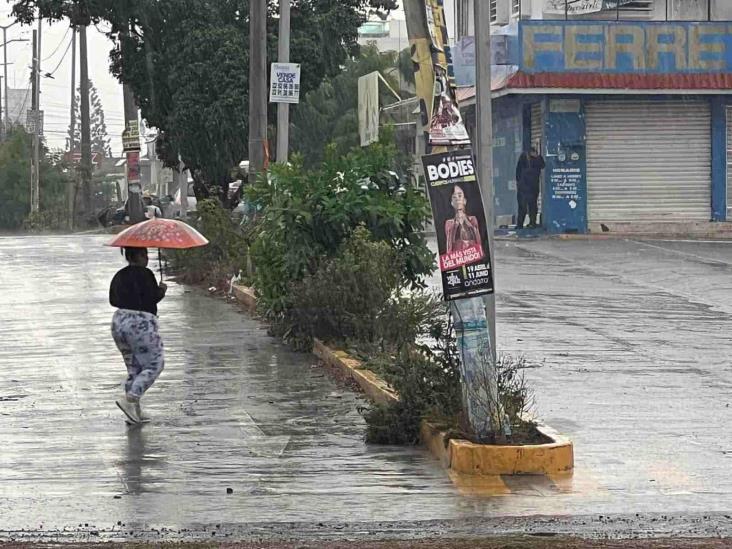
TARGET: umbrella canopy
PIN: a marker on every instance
(159, 233)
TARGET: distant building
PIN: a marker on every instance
(19, 101)
(391, 34)
(630, 102)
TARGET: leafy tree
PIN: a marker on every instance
(100, 141)
(187, 62)
(329, 114)
(15, 158)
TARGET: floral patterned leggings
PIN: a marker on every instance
(137, 338)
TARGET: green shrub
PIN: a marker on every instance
(427, 379)
(226, 253)
(307, 215)
(348, 295)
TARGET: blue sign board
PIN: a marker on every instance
(625, 47)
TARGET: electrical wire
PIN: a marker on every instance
(58, 47)
(61, 60)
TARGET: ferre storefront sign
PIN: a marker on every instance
(625, 47)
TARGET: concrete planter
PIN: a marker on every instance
(459, 456)
(468, 458)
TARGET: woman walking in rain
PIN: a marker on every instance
(136, 294)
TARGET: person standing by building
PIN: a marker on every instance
(528, 178)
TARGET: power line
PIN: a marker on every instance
(58, 46)
(61, 61)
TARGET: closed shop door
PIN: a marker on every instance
(649, 160)
(729, 163)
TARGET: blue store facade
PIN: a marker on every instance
(633, 119)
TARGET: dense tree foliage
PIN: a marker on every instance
(329, 114)
(15, 158)
(100, 141)
(187, 62)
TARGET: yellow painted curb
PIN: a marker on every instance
(245, 296)
(371, 384)
(467, 458)
(461, 457)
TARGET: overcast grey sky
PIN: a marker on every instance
(56, 92)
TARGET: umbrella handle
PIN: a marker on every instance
(160, 262)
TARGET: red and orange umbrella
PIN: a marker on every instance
(159, 233)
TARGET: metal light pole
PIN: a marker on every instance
(283, 109)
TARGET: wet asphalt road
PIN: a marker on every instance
(632, 344)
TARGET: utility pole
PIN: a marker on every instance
(36, 111)
(131, 141)
(71, 198)
(474, 317)
(484, 143)
(86, 166)
(5, 74)
(257, 87)
(283, 109)
(183, 186)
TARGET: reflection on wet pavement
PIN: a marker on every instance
(632, 346)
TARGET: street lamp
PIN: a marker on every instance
(5, 64)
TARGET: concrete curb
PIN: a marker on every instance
(468, 458)
(459, 456)
(372, 385)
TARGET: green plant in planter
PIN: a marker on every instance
(226, 253)
(307, 215)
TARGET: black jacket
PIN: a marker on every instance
(135, 288)
(528, 173)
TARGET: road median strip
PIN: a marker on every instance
(461, 457)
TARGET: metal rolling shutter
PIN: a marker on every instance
(729, 163)
(648, 160)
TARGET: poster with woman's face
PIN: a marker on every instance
(462, 236)
(446, 126)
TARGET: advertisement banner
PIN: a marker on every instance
(131, 136)
(446, 126)
(368, 108)
(581, 7)
(462, 235)
(285, 83)
(133, 167)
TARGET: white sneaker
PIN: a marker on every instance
(129, 409)
(138, 411)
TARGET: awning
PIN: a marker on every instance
(575, 82)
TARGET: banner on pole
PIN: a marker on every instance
(446, 126)
(368, 108)
(460, 224)
(285, 83)
(131, 136)
(133, 167)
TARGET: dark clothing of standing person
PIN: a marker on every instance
(528, 177)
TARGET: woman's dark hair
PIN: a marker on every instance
(132, 253)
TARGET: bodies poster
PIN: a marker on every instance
(462, 236)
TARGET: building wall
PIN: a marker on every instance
(660, 10)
